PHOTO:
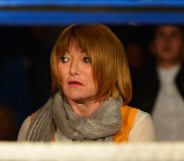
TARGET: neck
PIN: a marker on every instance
(167, 65)
(84, 109)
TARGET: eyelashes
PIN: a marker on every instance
(65, 59)
(86, 59)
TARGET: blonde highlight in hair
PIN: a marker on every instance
(109, 64)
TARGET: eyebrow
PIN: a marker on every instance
(83, 51)
(67, 50)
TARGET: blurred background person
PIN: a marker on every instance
(8, 124)
(160, 87)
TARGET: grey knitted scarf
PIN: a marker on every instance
(56, 113)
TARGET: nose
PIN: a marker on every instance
(74, 67)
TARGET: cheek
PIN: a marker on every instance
(91, 80)
(89, 74)
(160, 44)
(177, 45)
(62, 73)
(156, 46)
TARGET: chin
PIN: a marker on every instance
(76, 98)
(79, 99)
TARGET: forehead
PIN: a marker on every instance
(168, 30)
(68, 45)
(73, 44)
(74, 47)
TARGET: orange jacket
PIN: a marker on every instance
(128, 118)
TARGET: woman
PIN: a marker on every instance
(91, 88)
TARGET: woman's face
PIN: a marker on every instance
(76, 76)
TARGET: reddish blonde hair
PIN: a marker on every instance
(109, 64)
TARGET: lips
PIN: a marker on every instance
(75, 83)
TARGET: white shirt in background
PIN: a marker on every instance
(168, 114)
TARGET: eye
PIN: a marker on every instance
(86, 59)
(64, 59)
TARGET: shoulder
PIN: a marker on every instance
(24, 128)
(30, 120)
(143, 128)
(141, 115)
(143, 118)
(134, 115)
